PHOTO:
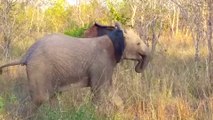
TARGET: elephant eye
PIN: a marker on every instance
(138, 43)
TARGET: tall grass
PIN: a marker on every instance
(167, 90)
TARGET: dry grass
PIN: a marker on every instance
(167, 90)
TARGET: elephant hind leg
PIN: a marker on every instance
(39, 93)
(40, 88)
(31, 109)
(39, 98)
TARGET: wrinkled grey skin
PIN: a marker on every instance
(60, 60)
(56, 61)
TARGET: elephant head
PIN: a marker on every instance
(97, 30)
(135, 49)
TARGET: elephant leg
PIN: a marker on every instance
(113, 98)
(39, 89)
(106, 95)
(101, 86)
(37, 99)
(97, 95)
(39, 94)
(101, 95)
(31, 108)
(105, 101)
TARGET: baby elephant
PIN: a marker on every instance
(56, 61)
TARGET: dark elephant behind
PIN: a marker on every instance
(97, 30)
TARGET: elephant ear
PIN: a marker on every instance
(117, 38)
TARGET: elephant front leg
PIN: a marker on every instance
(107, 100)
(96, 99)
(99, 96)
(101, 102)
(99, 82)
(105, 96)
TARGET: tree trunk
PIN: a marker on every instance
(6, 47)
(177, 22)
(79, 13)
(134, 9)
(197, 51)
(173, 21)
(209, 42)
(8, 25)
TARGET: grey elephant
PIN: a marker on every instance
(56, 61)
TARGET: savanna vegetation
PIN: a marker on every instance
(176, 85)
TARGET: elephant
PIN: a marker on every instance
(56, 61)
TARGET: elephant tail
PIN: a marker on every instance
(15, 62)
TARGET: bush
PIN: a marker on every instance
(84, 112)
(76, 31)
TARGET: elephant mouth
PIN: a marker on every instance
(142, 63)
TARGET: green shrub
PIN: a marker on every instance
(83, 112)
(76, 31)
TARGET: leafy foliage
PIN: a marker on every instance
(76, 31)
(116, 15)
(56, 15)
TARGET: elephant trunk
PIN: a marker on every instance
(142, 63)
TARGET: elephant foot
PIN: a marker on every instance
(27, 112)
